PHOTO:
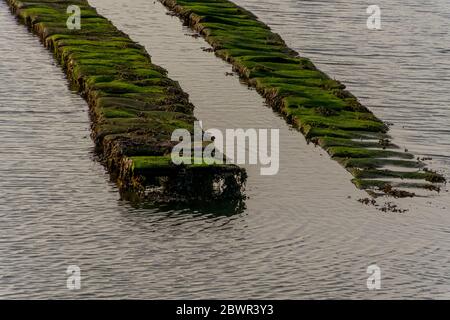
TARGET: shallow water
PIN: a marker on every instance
(302, 234)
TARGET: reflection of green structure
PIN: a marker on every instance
(317, 105)
(134, 106)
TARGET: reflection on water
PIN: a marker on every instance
(301, 234)
(213, 209)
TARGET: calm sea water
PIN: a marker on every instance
(303, 234)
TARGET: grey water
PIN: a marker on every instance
(302, 233)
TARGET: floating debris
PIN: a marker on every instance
(368, 201)
(386, 207)
(391, 207)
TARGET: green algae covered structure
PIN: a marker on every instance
(134, 106)
(320, 107)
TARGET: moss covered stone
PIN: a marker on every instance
(135, 107)
(317, 105)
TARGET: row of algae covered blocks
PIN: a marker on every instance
(134, 106)
(320, 107)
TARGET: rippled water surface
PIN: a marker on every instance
(303, 234)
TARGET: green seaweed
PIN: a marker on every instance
(317, 105)
(135, 107)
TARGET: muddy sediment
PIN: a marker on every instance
(134, 106)
(320, 107)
